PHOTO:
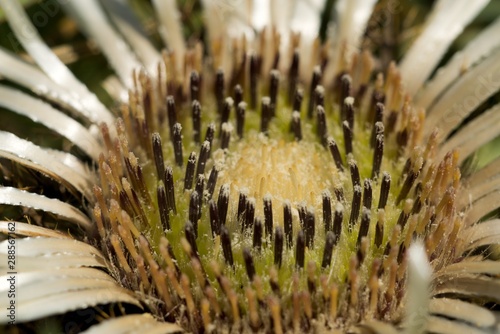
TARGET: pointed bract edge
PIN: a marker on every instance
(477, 192)
(478, 287)
(474, 134)
(138, 323)
(43, 113)
(48, 292)
(46, 247)
(29, 37)
(353, 16)
(95, 24)
(171, 28)
(464, 96)
(485, 174)
(446, 21)
(482, 234)
(379, 327)
(130, 27)
(30, 77)
(481, 207)
(35, 157)
(445, 326)
(463, 311)
(27, 230)
(16, 197)
(481, 46)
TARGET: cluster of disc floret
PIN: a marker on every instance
(263, 200)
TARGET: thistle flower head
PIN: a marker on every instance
(263, 181)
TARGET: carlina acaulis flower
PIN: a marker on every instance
(261, 182)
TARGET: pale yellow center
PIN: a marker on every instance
(297, 172)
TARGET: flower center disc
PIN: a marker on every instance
(286, 171)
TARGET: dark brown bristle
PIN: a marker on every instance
(265, 115)
(379, 117)
(378, 96)
(249, 265)
(126, 203)
(178, 144)
(226, 110)
(190, 169)
(169, 184)
(297, 100)
(410, 179)
(242, 205)
(202, 159)
(288, 224)
(355, 177)
(402, 138)
(327, 210)
(223, 203)
(301, 208)
(194, 209)
(367, 194)
(273, 91)
(257, 234)
(328, 251)
(405, 213)
(319, 96)
(249, 214)
(300, 250)
(348, 137)
(254, 72)
(200, 187)
(240, 118)
(310, 228)
(391, 121)
(143, 190)
(378, 150)
(190, 231)
(293, 74)
(322, 130)
(196, 116)
(345, 91)
(212, 181)
(226, 135)
(161, 195)
(210, 133)
(379, 228)
(273, 275)
(225, 241)
(355, 207)
(214, 218)
(278, 246)
(337, 222)
(348, 111)
(364, 226)
(158, 155)
(268, 217)
(172, 114)
(295, 126)
(334, 150)
(316, 78)
(132, 176)
(238, 95)
(385, 186)
(219, 89)
(194, 86)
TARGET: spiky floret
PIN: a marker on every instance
(263, 200)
